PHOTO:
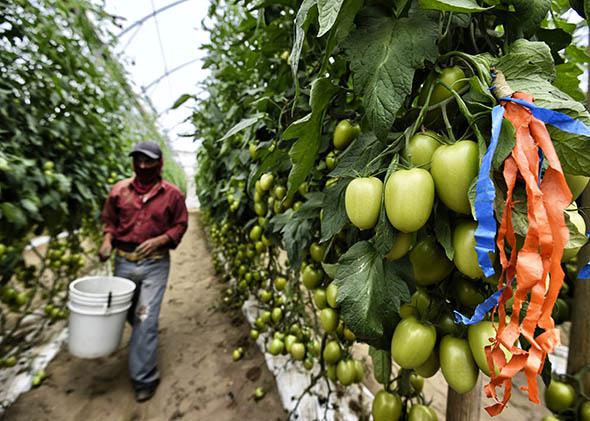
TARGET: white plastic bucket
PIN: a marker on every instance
(98, 309)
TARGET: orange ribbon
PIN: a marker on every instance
(540, 256)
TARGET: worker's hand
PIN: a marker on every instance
(149, 246)
(105, 250)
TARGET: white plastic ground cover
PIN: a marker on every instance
(293, 379)
(17, 380)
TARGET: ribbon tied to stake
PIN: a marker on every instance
(536, 267)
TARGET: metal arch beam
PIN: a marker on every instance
(151, 15)
(168, 73)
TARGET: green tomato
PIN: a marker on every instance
(266, 181)
(446, 324)
(317, 252)
(559, 396)
(430, 366)
(453, 169)
(408, 310)
(478, 336)
(429, 262)
(345, 372)
(255, 233)
(401, 245)
(311, 278)
(412, 343)
(409, 197)
(332, 352)
(279, 192)
(331, 295)
(331, 372)
(359, 371)
(237, 354)
(329, 320)
(331, 161)
(421, 301)
(265, 316)
(420, 148)
(254, 334)
(466, 292)
(417, 382)
(577, 184)
(276, 315)
(450, 76)
(585, 411)
(308, 363)
(386, 406)
(349, 335)
(465, 257)
(252, 150)
(457, 364)
(280, 283)
(362, 201)
(259, 393)
(344, 133)
(260, 209)
(289, 341)
(422, 413)
(276, 346)
(319, 298)
(298, 351)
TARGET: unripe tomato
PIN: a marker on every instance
(289, 341)
(577, 184)
(255, 233)
(401, 245)
(453, 169)
(421, 301)
(276, 315)
(466, 292)
(422, 413)
(429, 262)
(317, 252)
(266, 181)
(446, 324)
(308, 363)
(280, 283)
(349, 335)
(331, 294)
(430, 366)
(331, 372)
(345, 372)
(237, 354)
(254, 334)
(408, 310)
(344, 133)
(311, 278)
(559, 396)
(331, 161)
(319, 298)
(329, 320)
(279, 192)
(409, 196)
(386, 406)
(265, 316)
(298, 351)
(332, 352)
(450, 76)
(585, 411)
(362, 201)
(465, 257)
(252, 150)
(412, 343)
(276, 347)
(359, 371)
(417, 382)
(478, 336)
(259, 209)
(457, 364)
(420, 148)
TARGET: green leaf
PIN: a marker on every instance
(369, 294)
(461, 6)
(506, 143)
(354, 162)
(527, 17)
(384, 233)
(181, 100)
(330, 269)
(301, 24)
(399, 6)
(397, 48)
(568, 80)
(244, 124)
(328, 12)
(381, 365)
(525, 59)
(576, 238)
(296, 234)
(307, 131)
(442, 230)
(342, 27)
(334, 218)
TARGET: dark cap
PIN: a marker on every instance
(149, 148)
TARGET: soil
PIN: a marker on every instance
(199, 381)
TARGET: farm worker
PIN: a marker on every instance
(144, 217)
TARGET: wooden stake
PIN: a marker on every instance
(465, 407)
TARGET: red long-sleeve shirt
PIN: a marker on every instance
(132, 218)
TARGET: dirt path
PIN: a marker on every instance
(199, 379)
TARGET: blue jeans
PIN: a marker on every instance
(150, 277)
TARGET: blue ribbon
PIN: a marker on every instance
(485, 191)
(485, 233)
(480, 311)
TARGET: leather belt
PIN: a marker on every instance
(133, 256)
